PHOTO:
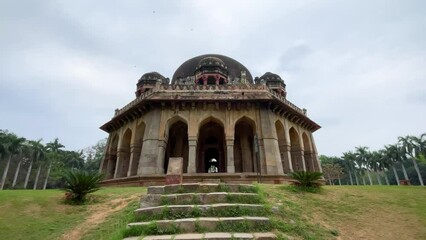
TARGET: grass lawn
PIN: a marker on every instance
(338, 212)
(38, 214)
(350, 212)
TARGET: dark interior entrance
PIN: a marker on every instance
(211, 158)
(210, 148)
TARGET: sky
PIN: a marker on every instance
(359, 67)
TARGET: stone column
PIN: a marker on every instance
(121, 166)
(192, 167)
(135, 150)
(230, 168)
(302, 157)
(286, 158)
(162, 144)
(270, 144)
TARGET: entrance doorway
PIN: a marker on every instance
(210, 148)
(211, 160)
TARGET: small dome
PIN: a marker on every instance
(270, 77)
(211, 61)
(152, 77)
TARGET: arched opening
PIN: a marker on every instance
(210, 147)
(244, 154)
(308, 153)
(211, 80)
(295, 150)
(177, 144)
(124, 154)
(112, 158)
(283, 146)
(137, 148)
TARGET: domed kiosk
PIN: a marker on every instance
(223, 125)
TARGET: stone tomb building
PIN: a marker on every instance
(222, 122)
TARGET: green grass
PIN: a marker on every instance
(378, 212)
(42, 214)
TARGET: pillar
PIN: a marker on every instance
(230, 168)
(135, 150)
(192, 144)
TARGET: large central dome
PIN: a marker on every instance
(235, 70)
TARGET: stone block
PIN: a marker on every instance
(208, 223)
(158, 237)
(265, 236)
(242, 236)
(187, 224)
(156, 190)
(189, 236)
(217, 236)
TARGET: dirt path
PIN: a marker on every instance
(97, 214)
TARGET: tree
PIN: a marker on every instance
(410, 150)
(350, 159)
(54, 149)
(363, 160)
(37, 151)
(12, 145)
(332, 172)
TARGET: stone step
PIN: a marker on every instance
(208, 198)
(201, 188)
(203, 224)
(210, 236)
(200, 209)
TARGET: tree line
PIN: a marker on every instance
(31, 164)
(394, 164)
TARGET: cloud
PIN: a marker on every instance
(358, 68)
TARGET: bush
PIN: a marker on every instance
(306, 179)
(78, 183)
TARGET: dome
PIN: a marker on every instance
(271, 77)
(151, 77)
(234, 68)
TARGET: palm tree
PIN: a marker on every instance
(411, 150)
(385, 164)
(37, 151)
(54, 148)
(391, 153)
(376, 165)
(350, 158)
(363, 160)
(12, 145)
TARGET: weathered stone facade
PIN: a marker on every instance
(213, 115)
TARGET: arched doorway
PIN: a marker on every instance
(210, 147)
(112, 158)
(244, 154)
(283, 146)
(307, 153)
(177, 144)
(295, 150)
(124, 154)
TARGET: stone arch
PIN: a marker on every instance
(295, 150)
(211, 145)
(177, 143)
(283, 145)
(308, 153)
(136, 148)
(172, 121)
(124, 154)
(244, 154)
(111, 157)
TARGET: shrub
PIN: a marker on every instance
(79, 183)
(306, 179)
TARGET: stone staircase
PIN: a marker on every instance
(211, 211)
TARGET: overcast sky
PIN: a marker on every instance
(359, 67)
